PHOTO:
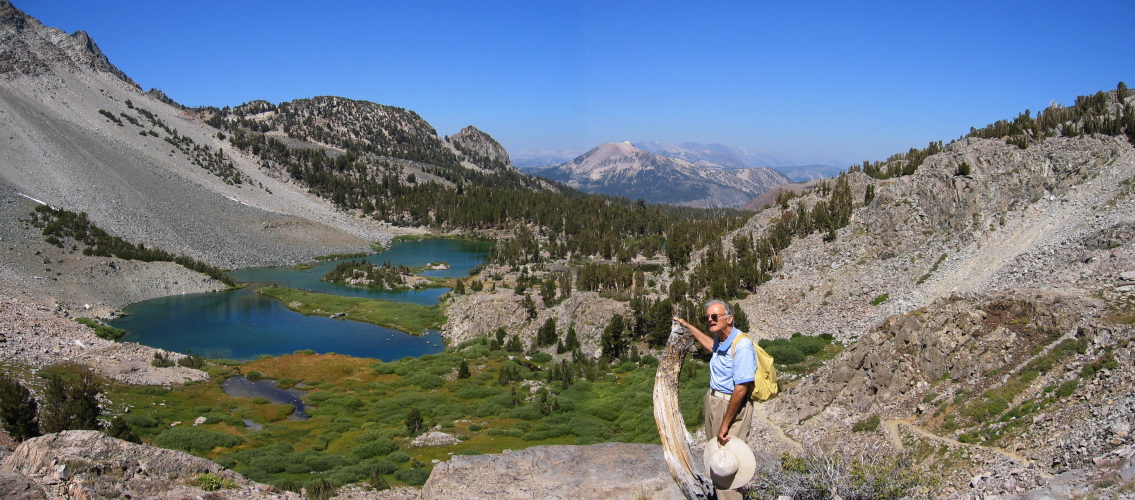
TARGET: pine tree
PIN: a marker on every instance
(70, 404)
(740, 319)
(463, 370)
(547, 334)
(414, 423)
(121, 430)
(571, 340)
(548, 291)
(613, 342)
(514, 344)
(529, 306)
(17, 409)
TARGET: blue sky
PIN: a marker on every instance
(820, 81)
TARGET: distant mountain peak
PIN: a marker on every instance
(622, 169)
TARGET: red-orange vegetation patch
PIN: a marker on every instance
(314, 367)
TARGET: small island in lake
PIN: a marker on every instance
(364, 274)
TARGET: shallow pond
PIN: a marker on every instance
(240, 387)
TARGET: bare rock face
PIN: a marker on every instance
(962, 339)
(33, 48)
(481, 149)
(15, 486)
(90, 464)
(601, 471)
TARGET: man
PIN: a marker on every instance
(728, 413)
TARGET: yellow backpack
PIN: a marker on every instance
(764, 381)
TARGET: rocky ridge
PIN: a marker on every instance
(954, 290)
(84, 139)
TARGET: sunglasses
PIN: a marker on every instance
(713, 317)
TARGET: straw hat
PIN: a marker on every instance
(729, 466)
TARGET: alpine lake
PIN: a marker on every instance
(244, 324)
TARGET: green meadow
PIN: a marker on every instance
(364, 414)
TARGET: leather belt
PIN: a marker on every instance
(722, 395)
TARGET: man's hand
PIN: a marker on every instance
(723, 436)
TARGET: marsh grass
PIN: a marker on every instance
(409, 318)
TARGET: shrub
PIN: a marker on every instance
(321, 463)
(478, 392)
(101, 330)
(380, 446)
(378, 482)
(371, 435)
(289, 485)
(137, 420)
(808, 345)
(398, 457)
(880, 299)
(426, 381)
(502, 432)
(866, 425)
(211, 482)
(253, 375)
(319, 489)
(285, 382)
(216, 417)
(826, 475)
(161, 360)
(196, 439)
(412, 477)
(785, 354)
(1067, 388)
(541, 357)
(526, 412)
(192, 361)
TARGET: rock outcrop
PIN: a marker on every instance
(480, 149)
(90, 464)
(601, 471)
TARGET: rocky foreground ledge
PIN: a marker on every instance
(598, 471)
(90, 464)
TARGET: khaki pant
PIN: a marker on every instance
(715, 408)
(715, 411)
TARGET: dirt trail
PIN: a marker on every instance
(760, 415)
(892, 427)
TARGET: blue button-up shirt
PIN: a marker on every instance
(727, 371)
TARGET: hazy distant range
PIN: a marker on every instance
(708, 155)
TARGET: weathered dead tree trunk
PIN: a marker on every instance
(676, 441)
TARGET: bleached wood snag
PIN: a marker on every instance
(676, 440)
